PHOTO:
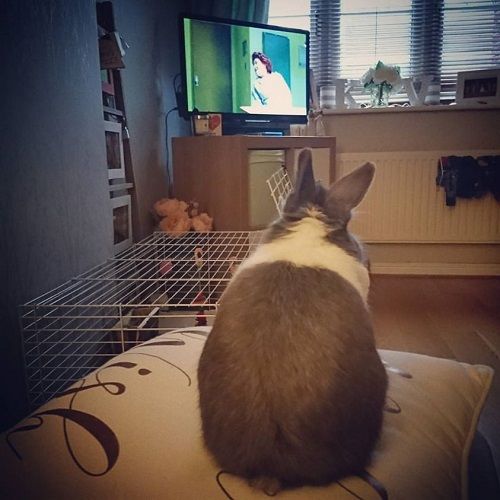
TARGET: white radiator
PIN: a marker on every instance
(404, 205)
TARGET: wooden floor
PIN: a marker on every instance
(448, 317)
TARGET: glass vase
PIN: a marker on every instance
(380, 95)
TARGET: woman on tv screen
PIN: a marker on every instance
(270, 88)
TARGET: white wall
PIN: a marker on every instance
(415, 130)
(447, 130)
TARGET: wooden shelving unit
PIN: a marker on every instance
(217, 172)
(119, 162)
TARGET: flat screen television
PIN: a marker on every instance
(255, 75)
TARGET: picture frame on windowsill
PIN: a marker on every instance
(478, 87)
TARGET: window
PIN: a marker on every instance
(432, 37)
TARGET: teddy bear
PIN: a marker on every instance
(174, 218)
(169, 206)
(200, 222)
(178, 217)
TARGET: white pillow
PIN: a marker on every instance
(132, 430)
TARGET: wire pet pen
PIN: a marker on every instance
(279, 185)
(157, 285)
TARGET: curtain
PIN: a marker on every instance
(241, 10)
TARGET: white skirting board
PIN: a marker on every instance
(435, 269)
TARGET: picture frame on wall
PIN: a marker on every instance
(114, 150)
(122, 223)
(478, 87)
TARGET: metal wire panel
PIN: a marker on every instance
(280, 186)
(155, 286)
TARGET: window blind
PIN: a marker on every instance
(471, 40)
(422, 37)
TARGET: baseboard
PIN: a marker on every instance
(435, 268)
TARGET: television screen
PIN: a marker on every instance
(244, 69)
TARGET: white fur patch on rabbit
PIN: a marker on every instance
(306, 246)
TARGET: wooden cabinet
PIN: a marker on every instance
(217, 171)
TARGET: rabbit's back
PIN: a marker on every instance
(291, 385)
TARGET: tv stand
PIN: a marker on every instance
(226, 174)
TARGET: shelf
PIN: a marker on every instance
(220, 174)
(259, 142)
(120, 187)
(112, 111)
(413, 109)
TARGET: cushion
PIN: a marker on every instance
(131, 429)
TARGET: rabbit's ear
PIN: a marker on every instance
(305, 185)
(347, 193)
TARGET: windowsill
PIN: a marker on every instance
(412, 109)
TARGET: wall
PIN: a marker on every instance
(54, 202)
(447, 130)
(376, 130)
(151, 63)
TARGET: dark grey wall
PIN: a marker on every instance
(55, 220)
(152, 61)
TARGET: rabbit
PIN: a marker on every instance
(291, 386)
